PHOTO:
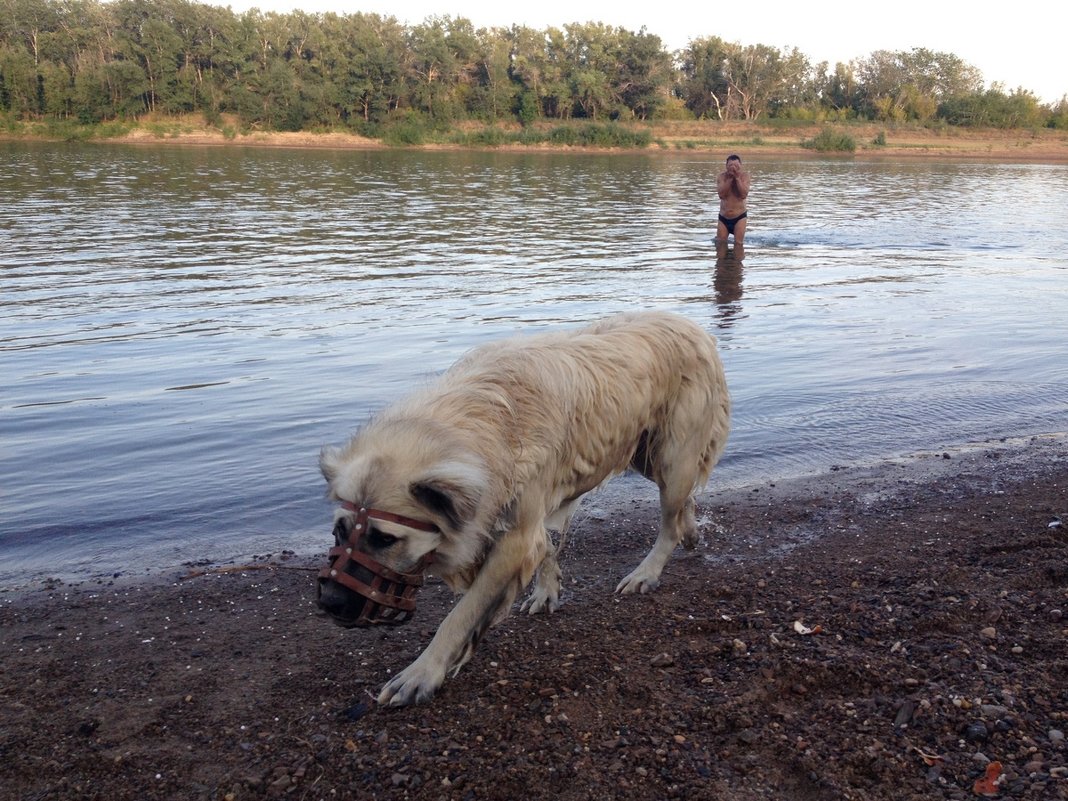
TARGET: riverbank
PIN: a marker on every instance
(872, 141)
(881, 633)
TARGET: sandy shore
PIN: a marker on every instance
(890, 632)
(911, 142)
(920, 144)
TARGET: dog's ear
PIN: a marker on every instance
(330, 463)
(451, 491)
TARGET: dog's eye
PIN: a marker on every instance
(341, 531)
(380, 539)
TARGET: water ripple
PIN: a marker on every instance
(182, 329)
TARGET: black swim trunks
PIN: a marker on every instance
(730, 223)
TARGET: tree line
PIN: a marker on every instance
(91, 61)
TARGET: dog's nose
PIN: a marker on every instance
(332, 598)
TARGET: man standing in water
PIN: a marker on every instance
(733, 187)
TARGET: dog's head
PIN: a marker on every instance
(355, 587)
(399, 511)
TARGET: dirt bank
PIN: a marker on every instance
(873, 141)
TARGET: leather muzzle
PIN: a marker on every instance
(385, 596)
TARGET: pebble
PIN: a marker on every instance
(1059, 772)
(662, 660)
(278, 786)
(976, 732)
(989, 633)
(1055, 736)
(748, 736)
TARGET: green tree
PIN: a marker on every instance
(644, 73)
(761, 77)
(95, 60)
(1058, 116)
(496, 93)
(903, 85)
(703, 86)
(840, 90)
(993, 109)
(436, 63)
(20, 79)
(592, 54)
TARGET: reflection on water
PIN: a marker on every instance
(727, 283)
(182, 329)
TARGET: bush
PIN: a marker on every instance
(1058, 118)
(67, 130)
(673, 109)
(830, 141)
(412, 129)
(10, 124)
(563, 135)
(489, 136)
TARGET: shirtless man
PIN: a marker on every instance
(733, 187)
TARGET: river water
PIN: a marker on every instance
(182, 329)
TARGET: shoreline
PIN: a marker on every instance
(931, 593)
(670, 139)
(627, 489)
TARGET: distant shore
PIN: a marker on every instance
(872, 140)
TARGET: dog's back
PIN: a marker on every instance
(589, 398)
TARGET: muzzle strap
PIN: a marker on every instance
(387, 587)
(378, 514)
(390, 595)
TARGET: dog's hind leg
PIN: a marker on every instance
(546, 593)
(545, 597)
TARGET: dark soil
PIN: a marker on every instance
(935, 589)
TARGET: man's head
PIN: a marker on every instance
(734, 157)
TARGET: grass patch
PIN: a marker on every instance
(830, 141)
(69, 131)
(593, 135)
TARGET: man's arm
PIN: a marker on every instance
(741, 184)
(724, 184)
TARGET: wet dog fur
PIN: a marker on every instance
(501, 448)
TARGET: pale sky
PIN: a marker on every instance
(1019, 44)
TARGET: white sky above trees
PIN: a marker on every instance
(1016, 44)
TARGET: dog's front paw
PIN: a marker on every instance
(540, 600)
(413, 685)
(638, 581)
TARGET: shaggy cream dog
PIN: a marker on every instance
(465, 477)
